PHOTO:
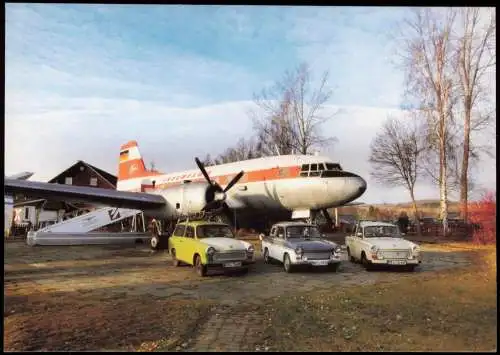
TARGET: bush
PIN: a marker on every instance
(482, 216)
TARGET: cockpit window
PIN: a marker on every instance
(321, 166)
(305, 170)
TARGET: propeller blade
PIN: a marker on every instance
(213, 205)
(234, 181)
(203, 171)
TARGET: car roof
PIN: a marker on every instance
(375, 223)
(200, 223)
(291, 223)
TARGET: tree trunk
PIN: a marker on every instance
(464, 176)
(443, 193)
(415, 212)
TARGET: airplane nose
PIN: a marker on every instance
(362, 186)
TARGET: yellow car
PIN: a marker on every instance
(207, 246)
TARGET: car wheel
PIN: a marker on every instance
(287, 264)
(155, 242)
(351, 258)
(411, 268)
(364, 261)
(333, 267)
(201, 269)
(175, 261)
(267, 259)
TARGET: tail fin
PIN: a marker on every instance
(131, 164)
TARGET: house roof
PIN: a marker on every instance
(111, 179)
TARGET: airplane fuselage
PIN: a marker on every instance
(289, 182)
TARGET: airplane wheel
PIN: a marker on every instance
(155, 242)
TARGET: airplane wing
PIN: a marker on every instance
(25, 175)
(354, 204)
(132, 200)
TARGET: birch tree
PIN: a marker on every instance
(475, 59)
(428, 53)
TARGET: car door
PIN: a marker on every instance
(189, 245)
(356, 240)
(177, 241)
(278, 244)
(270, 242)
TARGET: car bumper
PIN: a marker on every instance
(394, 262)
(245, 264)
(324, 262)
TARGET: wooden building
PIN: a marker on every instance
(35, 214)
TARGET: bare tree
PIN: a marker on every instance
(428, 52)
(395, 157)
(290, 113)
(475, 58)
(244, 149)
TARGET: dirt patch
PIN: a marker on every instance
(129, 298)
(448, 310)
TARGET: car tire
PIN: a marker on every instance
(364, 262)
(410, 268)
(267, 258)
(334, 267)
(351, 258)
(287, 264)
(155, 242)
(201, 269)
(175, 261)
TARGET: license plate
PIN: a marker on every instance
(319, 262)
(233, 264)
(396, 262)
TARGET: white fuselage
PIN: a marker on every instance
(277, 182)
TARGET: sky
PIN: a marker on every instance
(80, 80)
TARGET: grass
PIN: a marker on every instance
(444, 311)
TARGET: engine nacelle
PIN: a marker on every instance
(187, 198)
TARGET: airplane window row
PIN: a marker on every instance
(317, 169)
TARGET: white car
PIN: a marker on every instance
(381, 243)
(299, 244)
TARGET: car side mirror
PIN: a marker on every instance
(261, 236)
(359, 234)
(280, 235)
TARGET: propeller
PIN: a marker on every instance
(215, 194)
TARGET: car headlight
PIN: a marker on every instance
(374, 249)
(299, 251)
(337, 250)
(211, 251)
(416, 249)
(251, 249)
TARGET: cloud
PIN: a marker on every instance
(81, 80)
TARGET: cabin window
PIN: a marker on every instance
(280, 233)
(68, 180)
(314, 170)
(93, 181)
(305, 170)
(26, 213)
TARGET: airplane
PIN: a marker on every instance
(276, 187)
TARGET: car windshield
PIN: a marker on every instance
(382, 231)
(213, 231)
(302, 232)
